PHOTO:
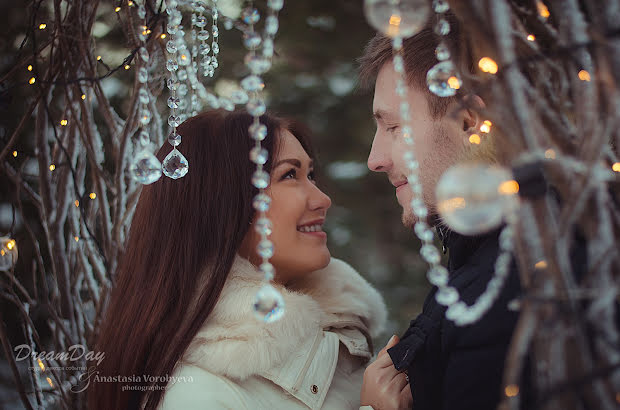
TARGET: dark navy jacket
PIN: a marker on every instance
(460, 368)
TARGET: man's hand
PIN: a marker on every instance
(384, 387)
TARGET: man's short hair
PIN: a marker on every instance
(418, 56)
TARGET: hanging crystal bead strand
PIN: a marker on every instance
(211, 62)
(443, 78)
(175, 165)
(268, 304)
(145, 167)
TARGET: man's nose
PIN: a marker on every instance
(379, 159)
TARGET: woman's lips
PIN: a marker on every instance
(319, 234)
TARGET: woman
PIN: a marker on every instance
(180, 315)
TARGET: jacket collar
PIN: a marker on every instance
(234, 344)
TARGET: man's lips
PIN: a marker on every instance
(400, 186)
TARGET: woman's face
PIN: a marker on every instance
(297, 212)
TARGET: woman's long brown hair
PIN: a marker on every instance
(179, 227)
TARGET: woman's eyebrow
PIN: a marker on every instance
(292, 161)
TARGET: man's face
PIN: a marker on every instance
(438, 143)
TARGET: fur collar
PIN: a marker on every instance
(320, 300)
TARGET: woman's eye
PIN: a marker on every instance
(290, 174)
(312, 176)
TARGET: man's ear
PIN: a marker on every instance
(470, 114)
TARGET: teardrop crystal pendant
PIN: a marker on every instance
(397, 19)
(146, 168)
(175, 164)
(443, 79)
(268, 305)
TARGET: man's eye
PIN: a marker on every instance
(392, 129)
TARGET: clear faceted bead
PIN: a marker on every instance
(438, 276)
(204, 49)
(263, 226)
(256, 107)
(171, 46)
(442, 27)
(268, 270)
(443, 79)
(440, 6)
(442, 52)
(215, 31)
(226, 104)
(228, 24)
(261, 202)
(250, 15)
(175, 164)
(456, 310)
(174, 138)
(215, 47)
(173, 102)
(257, 64)
(145, 168)
(239, 97)
(143, 75)
(397, 19)
(145, 117)
(174, 120)
(423, 231)
(252, 83)
(172, 65)
(141, 11)
(258, 131)
(447, 296)
(268, 48)
(470, 198)
(203, 35)
(260, 179)
(143, 96)
(182, 75)
(251, 40)
(271, 25)
(182, 91)
(144, 54)
(259, 155)
(201, 21)
(172, 84)
(265, 249)
(430, 254)
(268, 305)
(144, 137)
(275, 5)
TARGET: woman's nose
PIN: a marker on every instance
(318, 199)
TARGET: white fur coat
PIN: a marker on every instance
(330, 316)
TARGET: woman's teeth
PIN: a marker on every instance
(310, 228)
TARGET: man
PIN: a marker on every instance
(436, 364)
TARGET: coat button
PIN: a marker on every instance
(314, 389)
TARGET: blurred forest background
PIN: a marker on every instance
(313, 79)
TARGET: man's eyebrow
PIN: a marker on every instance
(292, 161)
(380, 115)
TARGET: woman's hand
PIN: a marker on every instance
(384, 387)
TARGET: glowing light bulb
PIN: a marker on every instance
(77, 203)
(474, 139)
(42, 26)
(531, 37)
(41, 365)
(83, 96)
(540, 264)
(98, 58)
(50, 381)
(163, 36)
(511, 390)
(543, 11)
(584, 75)
(117, 9)
(52, 167)
(616, 166)
(488, 65)
(92, 195)
(127, 66)
(550, 154)
(63, 122)
(454, 83)
(15, 154)
(29, 68)
(32, 80)
(77, 238)
(510, 187)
